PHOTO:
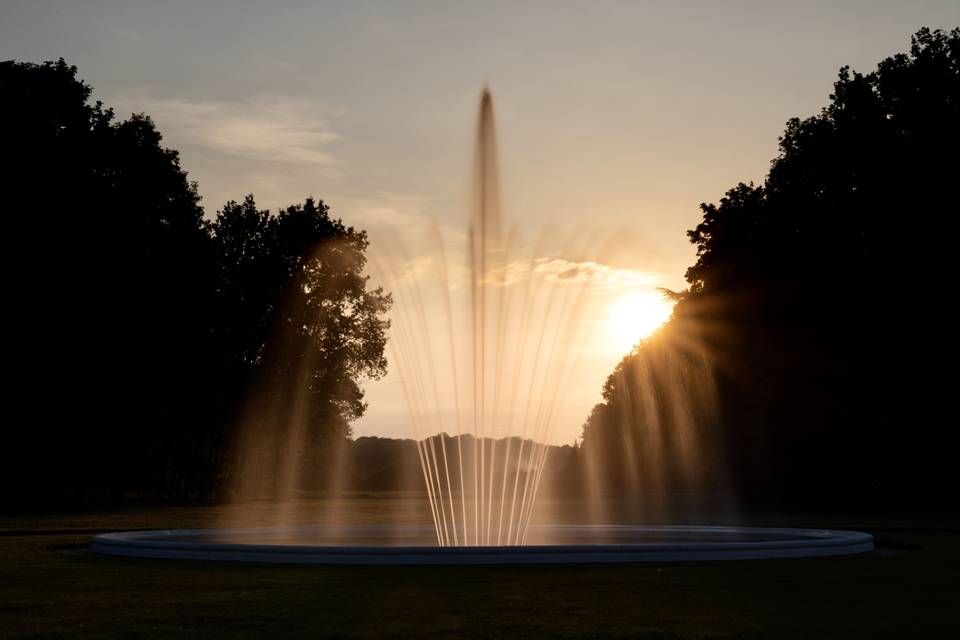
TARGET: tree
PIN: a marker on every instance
(110, 255)
(815, 294)
(300, 327)
(138, 328)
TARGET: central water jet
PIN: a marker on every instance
(524, 328)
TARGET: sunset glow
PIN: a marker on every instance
(634, 316)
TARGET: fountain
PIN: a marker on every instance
(506, 375)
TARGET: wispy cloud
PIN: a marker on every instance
(388, 212)
(273, 129)
(127, 33)
(565, 271)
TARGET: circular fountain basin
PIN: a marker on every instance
(412, 545)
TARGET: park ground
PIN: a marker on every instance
(51, 585)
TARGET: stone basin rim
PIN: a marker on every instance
(783, 543)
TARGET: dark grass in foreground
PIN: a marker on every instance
(51, 585)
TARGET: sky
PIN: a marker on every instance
(613, 116)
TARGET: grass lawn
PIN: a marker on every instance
(51, 585)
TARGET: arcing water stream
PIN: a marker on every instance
(506, 381)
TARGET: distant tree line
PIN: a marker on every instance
(375, 464)
(136, 327)
(820, 300)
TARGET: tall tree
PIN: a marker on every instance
(312, 328)
(136, 327)
(815, 293)
(110, 256)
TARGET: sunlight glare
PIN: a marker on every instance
(634, 316)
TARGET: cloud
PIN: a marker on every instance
(268, 129)
(597, 272)
(388, 212)
(565, 271)
(126, 33)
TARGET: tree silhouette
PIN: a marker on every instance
(136, 326)
(299, 326)
(815, 294)
(112, 263)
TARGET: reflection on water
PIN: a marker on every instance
(419, 535)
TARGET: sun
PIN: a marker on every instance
(634, 316)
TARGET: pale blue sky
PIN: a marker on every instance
(627, 114)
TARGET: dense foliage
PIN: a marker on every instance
(136, 327)
(818, 299)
